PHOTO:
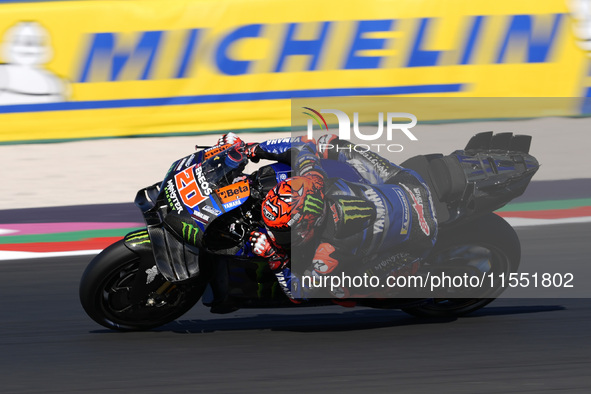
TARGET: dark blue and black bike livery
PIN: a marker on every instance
(198, 219)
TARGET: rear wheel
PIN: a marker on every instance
(106, 293)
(488, 246)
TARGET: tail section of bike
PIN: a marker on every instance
(492, 170)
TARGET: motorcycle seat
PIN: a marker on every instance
(444, 177)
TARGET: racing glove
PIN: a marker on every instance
(262, 247)
(231, 139)
(278, 262)
(251, 151)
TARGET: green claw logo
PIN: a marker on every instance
(313, 205)
(190, 233)
(138, 238)
(355, 209)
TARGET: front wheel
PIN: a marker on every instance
(106, 293)
(487, 246)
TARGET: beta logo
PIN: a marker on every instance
(235, 191)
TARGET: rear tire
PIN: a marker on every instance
(491, 237)
(106, 286)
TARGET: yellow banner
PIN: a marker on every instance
(119, 68)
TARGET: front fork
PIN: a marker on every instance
(139, 243)
(148, 279)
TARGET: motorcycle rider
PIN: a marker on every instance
(380, 226)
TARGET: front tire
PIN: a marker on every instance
(106, 293)
(493, 244)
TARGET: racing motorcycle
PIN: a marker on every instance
(198, 220)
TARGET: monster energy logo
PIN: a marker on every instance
(173, 200)
(313, 205)
(355, 209)
(190, 233)
(138, 238)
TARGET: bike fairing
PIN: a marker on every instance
(187, 188)
(198, 201)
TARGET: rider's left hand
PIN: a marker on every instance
(262, 247)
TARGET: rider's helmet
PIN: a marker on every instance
(292, 210)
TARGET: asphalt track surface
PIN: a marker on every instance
(48, 344)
